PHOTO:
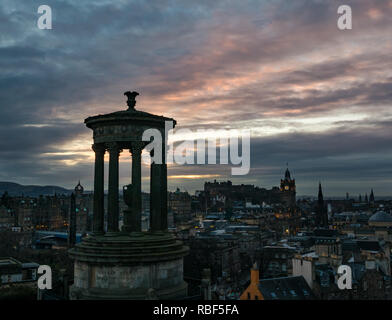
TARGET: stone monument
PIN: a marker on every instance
(128, 263)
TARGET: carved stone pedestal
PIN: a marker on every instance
(129, 267)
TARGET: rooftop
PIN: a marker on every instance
(285, 288)
(381, 216)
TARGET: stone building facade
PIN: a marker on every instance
(180, 206)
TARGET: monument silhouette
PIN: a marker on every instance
(128, 263)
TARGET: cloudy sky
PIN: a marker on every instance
(314, 96)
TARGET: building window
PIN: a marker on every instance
(293, 293)
(256, 297)
(248, 295)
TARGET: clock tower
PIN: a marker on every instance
(287, 189)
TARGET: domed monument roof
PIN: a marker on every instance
(381, 216)
(127, 116)
(127, 125)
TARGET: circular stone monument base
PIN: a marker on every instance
(129, 266)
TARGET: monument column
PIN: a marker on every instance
(163, 188)
(98, 217)
(136, 150)
(113, 207)
(155, 195)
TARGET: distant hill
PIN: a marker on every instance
(15, 189)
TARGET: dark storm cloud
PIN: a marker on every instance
(261, 101)
(342, 142)
(27, 141)
(196, 61)
(343, 158)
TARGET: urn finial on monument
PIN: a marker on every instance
(131, 102)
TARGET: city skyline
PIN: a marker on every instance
(200, 187)
(313, 95)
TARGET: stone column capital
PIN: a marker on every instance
(137, 147)
(113, 147)
(98, 148)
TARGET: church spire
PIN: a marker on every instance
(320, 193)
(322, 215)
(287, 174)
(371, 198)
